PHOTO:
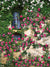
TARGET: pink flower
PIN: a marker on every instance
(22, 48)
(44, 17)
(22, 38)
(24, 65)
(5, 42)
(24, 19)
(25, 24)
(3, 35)
(41, 22)
(38, 9)
(46, 45)
(9, 42)
(41, 35)
(38, 64)
(9, 28)
(25, 35)
(42, 56)
(15, 41)
(21, 16)
(30, 19)
(44, 35)
(37, 14)
(39, 59)
(8, 54)
(43, 62)
(38, 31)
(5, 55)
(47, 64)
(49, 30)
(33, 24)
(40, 26)
(14, 50)
(33, 60)
(9, 33)
(27, 39)
(15, 63)
(35, 35)
(27, 18)
(12, 35)
(28, 10)
(22, 25)
(49, 57)
(18, 38)
(13, 27)
(36, 19)
(26, 44)
(31, 11)
(10, 50)
(43, 30)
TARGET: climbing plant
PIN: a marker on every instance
(10, 46)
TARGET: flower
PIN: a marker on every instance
(14, 50)
(49, 57)
(49, 30)
(43, 62)
(15, 63)
(25, 35)
(22, 38)
(18, 38)
(44, 35)
(38, 64)
(9, 28)
(38, 9)
(44, 18)
(13, 27)
(33, 60)
(47, 64)
(21, 16)
(36, 19)
(3, 35)
(37, 14)
(27, 18)
(33, 24)
(42, 56)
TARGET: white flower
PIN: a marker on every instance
(23, 2)
(0, 15)
(25, 13)
(2, 7)
(47, 3)
(8, 8)
(42, 2)
(27, 9)
(27, 0)
(18, 3)
(49, 0)
(32, 7)
(32, 1)
(13, 2)
(2, 2)
(5, 0)
(41, 6)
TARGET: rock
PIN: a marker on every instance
(16, 54)
(36, 51)
(3, 59)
